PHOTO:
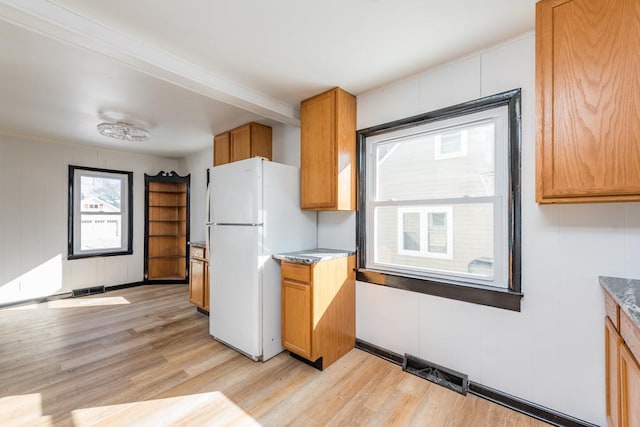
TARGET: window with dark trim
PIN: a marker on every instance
(100, 212)
(439, 205)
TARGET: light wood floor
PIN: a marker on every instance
(143, 356)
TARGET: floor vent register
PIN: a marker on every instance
(87, 291)
(436, 374)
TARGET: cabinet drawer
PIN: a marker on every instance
(613, 310)
(299, 272)
(630, 334)
(197, 252)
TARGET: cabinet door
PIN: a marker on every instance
(629, 388)
(296, 317)
(318, 172)
(587, 102)
(196, 283)
(260, 140)
(206, 286)
(241, 143)
(221, 149)
(612, 341)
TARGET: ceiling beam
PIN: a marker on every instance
(64, 25)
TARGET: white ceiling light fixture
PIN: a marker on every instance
(123, 131)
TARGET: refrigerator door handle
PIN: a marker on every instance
(236, 224)
(208, 218)
(207, 238)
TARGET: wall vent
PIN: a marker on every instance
(87, 291)
(436, 374)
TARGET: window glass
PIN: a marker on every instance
(437, 232)
(437, 197)
(411, 231)
(409, 168)
(100, 212)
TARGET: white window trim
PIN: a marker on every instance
(499, 200)
(424, 231)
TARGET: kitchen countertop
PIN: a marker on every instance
(198, 244)
(311, 256)
(625, 292)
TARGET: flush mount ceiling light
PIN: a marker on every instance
(123, 131)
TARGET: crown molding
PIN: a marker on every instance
(59, 23)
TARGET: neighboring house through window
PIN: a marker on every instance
(100, 212)
(440, 203)
(425, 231)
(451, 144)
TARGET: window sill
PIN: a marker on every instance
(102, 254)
(477, 294)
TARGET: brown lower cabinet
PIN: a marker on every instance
(318, 309)
(629, 388)
(199, 277)
(622, 351)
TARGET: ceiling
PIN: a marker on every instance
(189, 72)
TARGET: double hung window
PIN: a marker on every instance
(100, 215)
(440, 197)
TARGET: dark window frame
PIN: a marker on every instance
(71, 214)
(509, 298)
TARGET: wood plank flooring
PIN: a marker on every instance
(143, 356)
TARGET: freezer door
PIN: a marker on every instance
(236, 288)
(236, 192)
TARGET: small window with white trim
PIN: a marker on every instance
(425, 231)
(451, 144)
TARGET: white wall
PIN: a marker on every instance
(33, 218)
(551, 352)
(286, 145)
(197, 164)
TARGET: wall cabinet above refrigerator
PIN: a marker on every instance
(244, 142)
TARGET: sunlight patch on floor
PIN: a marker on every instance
(213, 408)
(23, 409)
(75, 303)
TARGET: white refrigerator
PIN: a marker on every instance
(254, 213)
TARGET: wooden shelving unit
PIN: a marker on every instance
(166, 228)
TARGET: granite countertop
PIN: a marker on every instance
(625, 292)
(311, 256)
(198, 244)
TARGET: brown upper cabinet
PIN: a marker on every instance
(328, 151)
(588, 98)
(244, 142)
(221, 149)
